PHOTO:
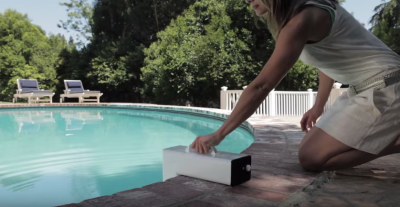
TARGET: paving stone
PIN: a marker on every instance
(266, 147)
(327, 200)
(293, 143)
(272, 151)
(266, 128)
(292, 178)
(266, 135)
(175, 191)
(199, 203)
(267, 156)
(294, 154)
(71, 205)
(295, 134)
(270, 129)
(104, 201)
(276, 153)
(259, 193)
(368, 200)
(391, 169)
(265, 159)
(267, 131)
(197, 184)
(387, 161)
(294, 167)
(269, 140)
(143, 198)
(281, 168)
(291, 160)
(274, 186)
(361, 185)
(227, 199)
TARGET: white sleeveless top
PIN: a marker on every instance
(350, 54)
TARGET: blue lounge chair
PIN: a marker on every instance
(29, 88)
(74, 89)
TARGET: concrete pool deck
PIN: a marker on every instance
(277, 178)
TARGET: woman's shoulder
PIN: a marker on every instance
(316, 22)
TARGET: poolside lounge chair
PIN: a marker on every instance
(74, 89)
(29, 88)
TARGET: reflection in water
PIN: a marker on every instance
(110, 151)
(75, 120)
(32, 120)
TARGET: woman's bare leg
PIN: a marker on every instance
(321, 152)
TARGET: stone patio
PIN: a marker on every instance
(277, 179)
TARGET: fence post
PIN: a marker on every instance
(310, 98)
(224, 98)
(271, 103)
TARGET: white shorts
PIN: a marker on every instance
(369, 121)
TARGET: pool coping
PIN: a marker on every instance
(277, 178)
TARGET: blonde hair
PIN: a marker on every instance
(281, 11)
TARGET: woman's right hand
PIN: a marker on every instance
(310, 118)
(202, 144)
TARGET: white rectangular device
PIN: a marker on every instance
(220, 167)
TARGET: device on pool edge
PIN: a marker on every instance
(220, 167)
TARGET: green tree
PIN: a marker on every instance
(120, 31)
(69, 63)
(389, 35)
(113, 35)
(199, 52)
(80, 20)
(388, 11)
(386, 24)
(300, 78)
(25, 52)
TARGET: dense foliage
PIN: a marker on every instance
(120, 30)
(26, 52)
(386, 23)
(199, 52)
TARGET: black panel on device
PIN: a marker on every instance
(239, 170)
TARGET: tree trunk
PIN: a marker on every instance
(155, 14)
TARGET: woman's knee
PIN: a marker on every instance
(310, 160)
(317, 148)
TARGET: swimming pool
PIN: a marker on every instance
(56, 156)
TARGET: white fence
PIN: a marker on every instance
(279, 103)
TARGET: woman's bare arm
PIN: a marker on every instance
(324, 90)
(312, 115)
(308, 25)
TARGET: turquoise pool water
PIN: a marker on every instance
(57, 156)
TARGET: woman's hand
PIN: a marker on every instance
(202, 144)
(310, 118)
